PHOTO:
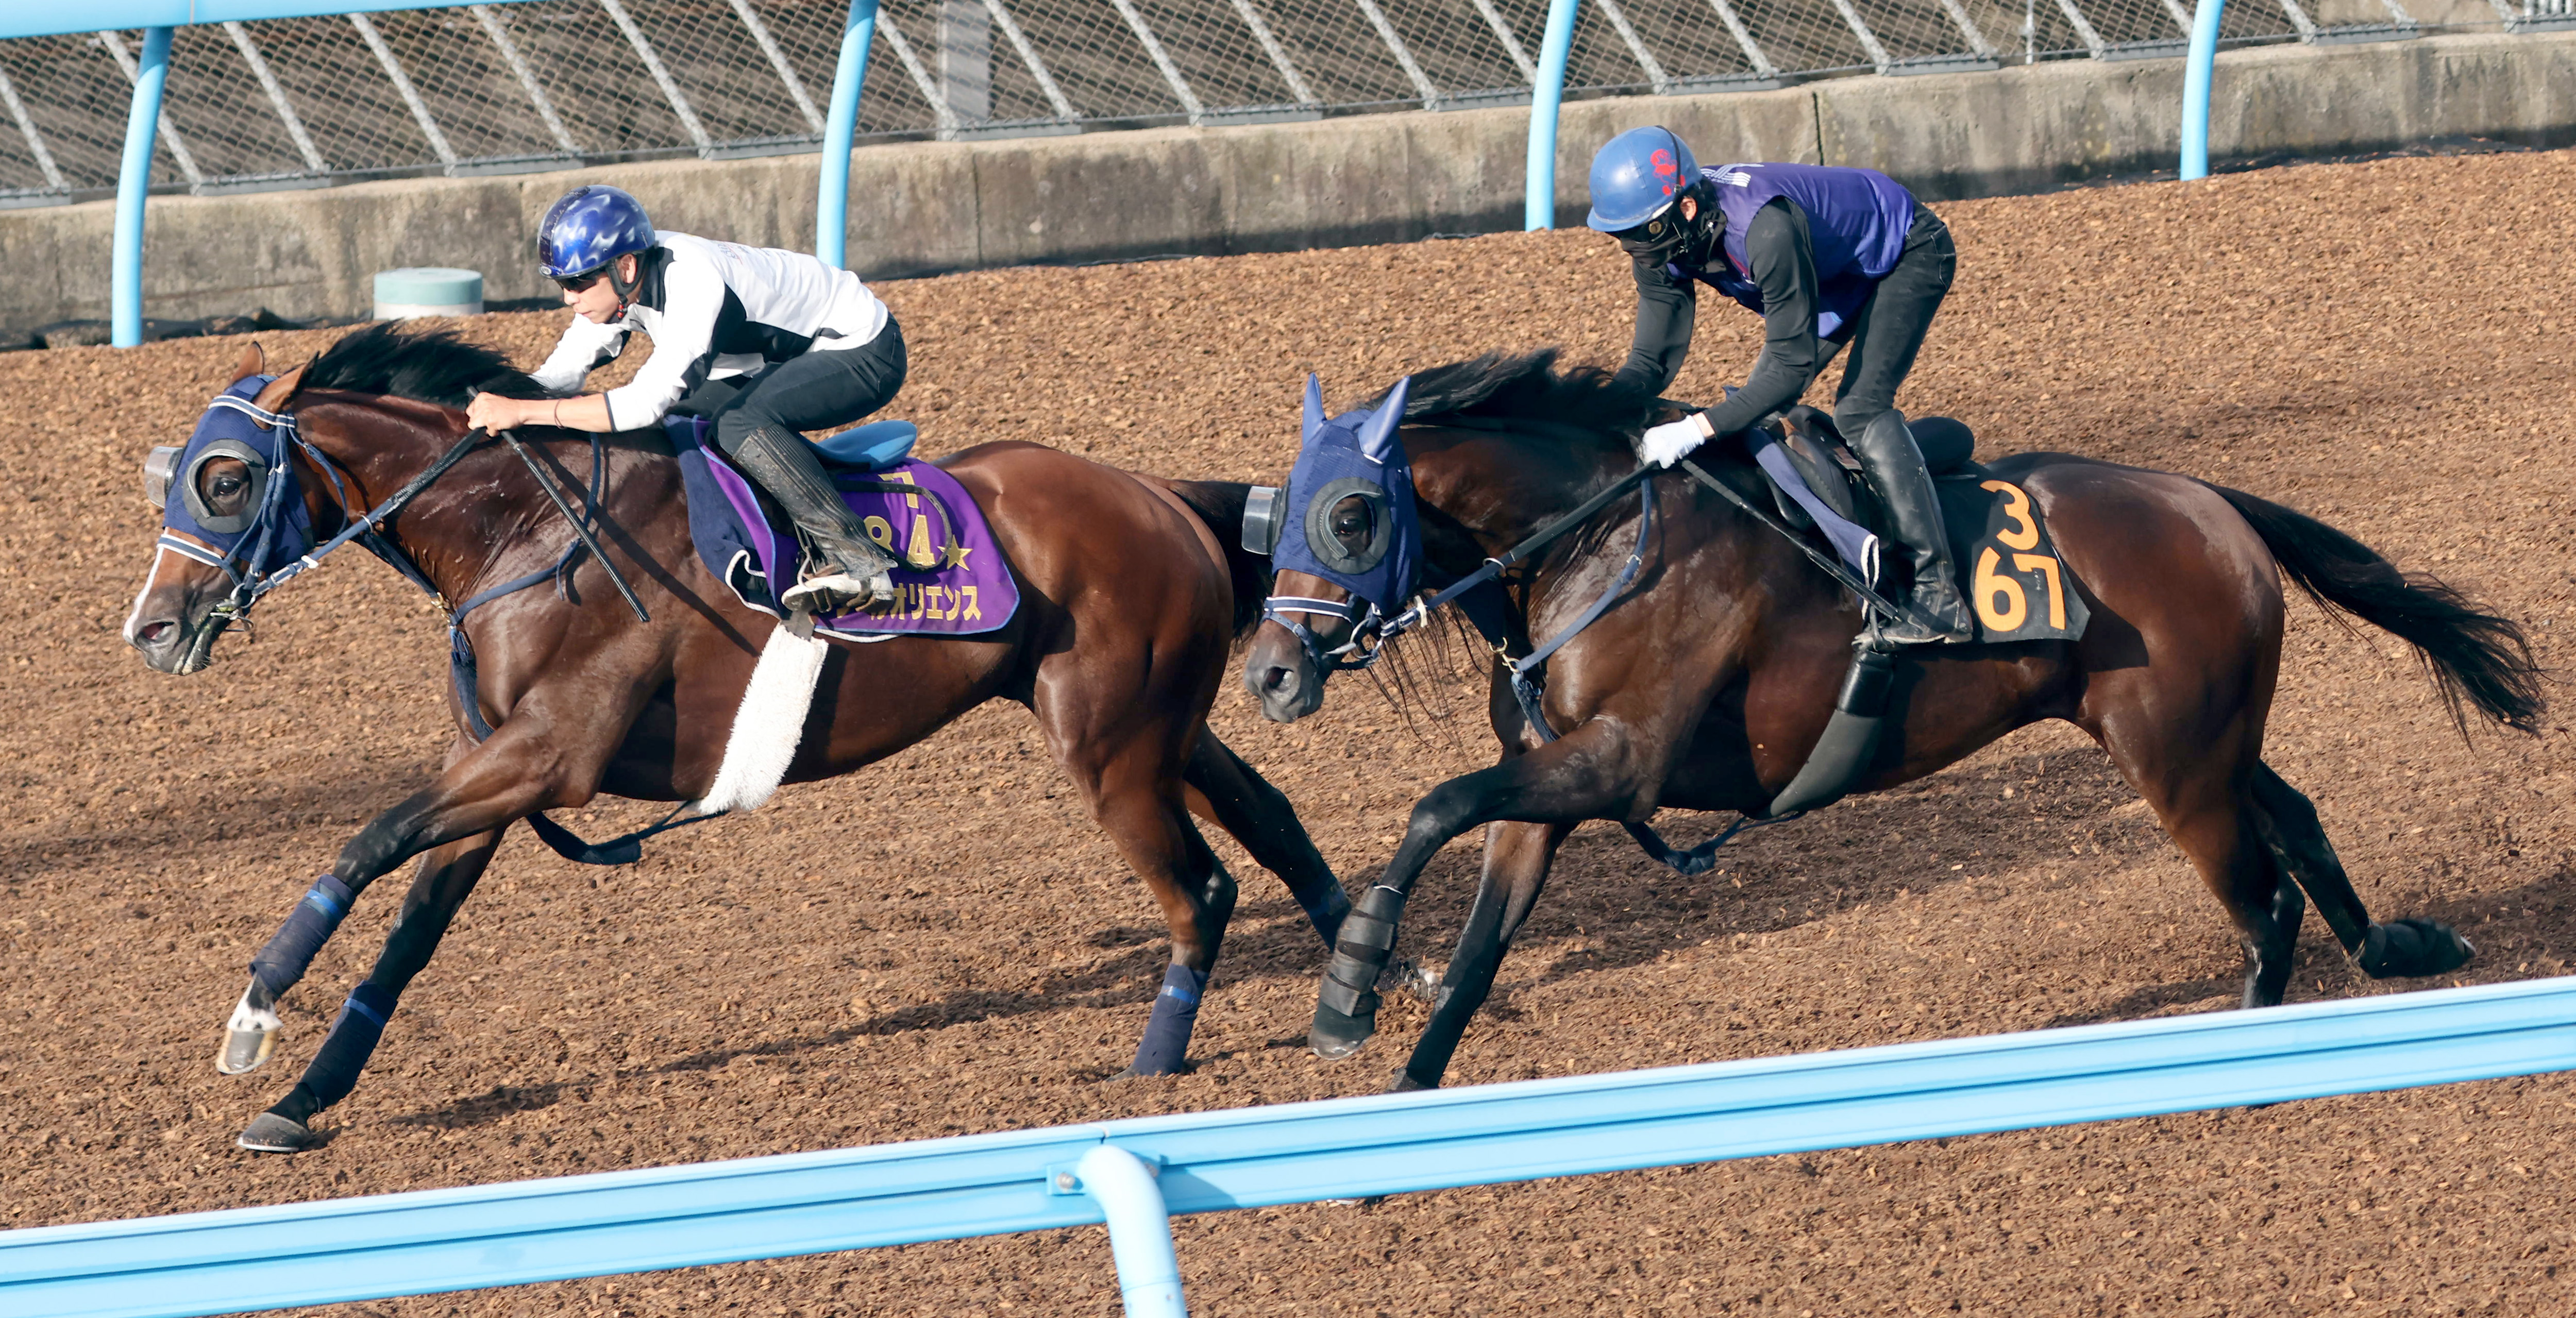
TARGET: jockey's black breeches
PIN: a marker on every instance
(1888, 329)
(815, 391)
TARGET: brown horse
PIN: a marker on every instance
(1130, 599)
(1707, 684)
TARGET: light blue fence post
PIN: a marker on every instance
(1539, 209)
(133, 180)
(1140, 1231)
(2197, 71)
(840, 127)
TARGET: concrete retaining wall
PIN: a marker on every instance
(923, 207)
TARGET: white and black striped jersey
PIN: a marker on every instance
(714, 310)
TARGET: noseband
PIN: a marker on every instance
(1363, 616)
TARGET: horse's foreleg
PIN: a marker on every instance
(518, 772)
(447, 876)
(1154, 832)
(1589, 774)
(1244, 804)
(1517, 858)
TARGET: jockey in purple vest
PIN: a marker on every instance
(1831, 259)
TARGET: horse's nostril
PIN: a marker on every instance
(151, 633)
(1280, 680)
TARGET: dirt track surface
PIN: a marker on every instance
(944, 945)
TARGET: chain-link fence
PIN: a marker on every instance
(307, 102)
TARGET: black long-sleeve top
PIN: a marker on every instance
(1782, 257)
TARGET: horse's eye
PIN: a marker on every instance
(1354, 523)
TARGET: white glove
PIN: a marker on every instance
(1667, 444)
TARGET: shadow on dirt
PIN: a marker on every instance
(501, 1101)
(198, 816)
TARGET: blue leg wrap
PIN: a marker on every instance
(352, 1041)
(1176, 1011)
(307, 928)
(1327, 910)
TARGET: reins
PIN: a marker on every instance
(1371, 633)
(250, 584)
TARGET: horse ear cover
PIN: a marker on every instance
(1314, 415)
(1377, 438)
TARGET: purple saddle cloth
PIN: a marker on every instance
(950, 578)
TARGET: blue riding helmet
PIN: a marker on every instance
(1636, 175)
(589, 227)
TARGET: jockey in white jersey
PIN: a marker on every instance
(764, 343)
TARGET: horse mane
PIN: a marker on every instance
(429, 366)
(1526, 386)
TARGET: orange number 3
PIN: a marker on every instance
(2025, 532)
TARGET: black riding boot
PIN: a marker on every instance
(1895, 467)
(844, 568)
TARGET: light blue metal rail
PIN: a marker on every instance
(2200, 66)
(158, 18)
(1556, 46)
(840, 127)
(133, 182)
(669, 1217)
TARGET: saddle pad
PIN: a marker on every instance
(2016, 584)
(950, 577)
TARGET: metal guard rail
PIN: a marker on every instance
(530, 1231)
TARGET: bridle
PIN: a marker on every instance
(1372, 629)
(251, 581)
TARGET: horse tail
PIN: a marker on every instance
(2473, 656)
(1220, 505)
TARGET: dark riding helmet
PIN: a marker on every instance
(589, 227)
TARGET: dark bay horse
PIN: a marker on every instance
(1131, 593)
(1707, 684)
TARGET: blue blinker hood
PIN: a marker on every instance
(273, 527)
(1353, 456)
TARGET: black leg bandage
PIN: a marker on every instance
(345, 1050)
(282, 962)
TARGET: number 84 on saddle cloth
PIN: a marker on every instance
(950, 577)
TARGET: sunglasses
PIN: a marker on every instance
(580, 283)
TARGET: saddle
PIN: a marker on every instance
(950, 576)
(1815, 448)
(2008, 566)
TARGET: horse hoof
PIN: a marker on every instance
(1131, 1073)
(1336, 1036)
(2412, 948)
(271, 1133)
(1422, 981)
(249, 1037)
(1404, 1083)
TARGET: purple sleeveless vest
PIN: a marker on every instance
(1857, 220)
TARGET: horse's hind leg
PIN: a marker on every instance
(2201, 789)
(1240, 801)
(1135, 792)
(447, 876)
(2382, 951)
(1517, 858)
